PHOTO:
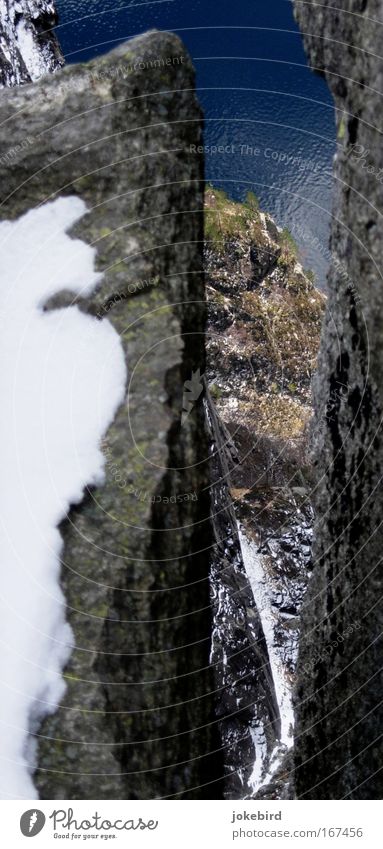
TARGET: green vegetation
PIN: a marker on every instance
(215, 392)
(252, 201)
(228, 219)
(341, 128)
(288, 240)
(289, 249)
(310, 274)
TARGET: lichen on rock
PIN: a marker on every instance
(137, 719)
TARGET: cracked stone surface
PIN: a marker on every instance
(137, 720)
(338, 697)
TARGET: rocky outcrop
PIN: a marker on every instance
(28, 46)
(263, 335)
(339, 694)
(137, 720)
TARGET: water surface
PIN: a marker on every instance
(260, 99)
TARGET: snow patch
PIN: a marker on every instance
(263, 596)
(62, 378)
(30, 51)
(28, 47)
(260, 746)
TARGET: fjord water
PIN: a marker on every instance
(262, 103)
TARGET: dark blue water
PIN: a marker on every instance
(259, 97)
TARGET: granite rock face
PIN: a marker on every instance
(137, 720)
(28, 46)
(339, 695)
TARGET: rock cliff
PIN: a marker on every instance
(339, 694)
(143, 706)
(137, 720)
(264, 320)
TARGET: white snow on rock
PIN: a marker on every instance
(263, 596)
(28, 45)
(62, 378)
(260, 747)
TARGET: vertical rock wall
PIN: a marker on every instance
(137, 720)
(338, 700)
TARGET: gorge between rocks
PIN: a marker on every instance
(211, 606)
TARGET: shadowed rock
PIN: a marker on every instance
(339, 695)
(137, 720)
